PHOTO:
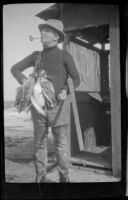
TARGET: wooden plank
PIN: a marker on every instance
(69, 127)
(76, 117)
(91, 159)
(115, 90)
(86, 45)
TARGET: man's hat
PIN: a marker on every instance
(57, 25)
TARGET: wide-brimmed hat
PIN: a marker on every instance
(57, 25)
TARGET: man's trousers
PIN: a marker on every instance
(40, 147)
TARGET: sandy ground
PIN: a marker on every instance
(19, 166)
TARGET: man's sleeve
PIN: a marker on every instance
(72, 70)
(19, 67)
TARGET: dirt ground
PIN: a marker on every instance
(19, 166)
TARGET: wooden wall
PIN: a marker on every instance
(115, 91)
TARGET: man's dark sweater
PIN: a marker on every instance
(56, 62)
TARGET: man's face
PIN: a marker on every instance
(48, 35)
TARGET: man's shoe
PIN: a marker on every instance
(40, 180)
(64, 180)
(43, 180)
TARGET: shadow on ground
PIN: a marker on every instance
(21, 149)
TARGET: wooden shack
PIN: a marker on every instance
(90, 28)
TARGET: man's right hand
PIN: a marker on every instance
(63, 94)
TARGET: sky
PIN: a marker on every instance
(19, 21)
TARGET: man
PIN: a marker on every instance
(58, 64)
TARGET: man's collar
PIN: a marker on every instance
(50, 48)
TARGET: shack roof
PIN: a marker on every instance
(88, 21)
(84, 15)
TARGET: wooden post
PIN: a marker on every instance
(115, 90)
(76, 117)
(126, 76)
(75, 111)
(104, 71)
(127, 167)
